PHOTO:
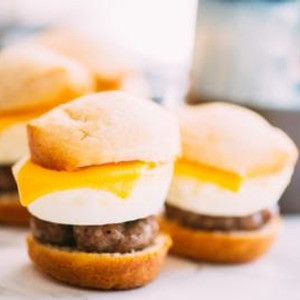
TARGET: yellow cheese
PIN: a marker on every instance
(227, 180)
(35, 181)
(8, 120)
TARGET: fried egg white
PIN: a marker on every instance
(13, 143)
(208, 198)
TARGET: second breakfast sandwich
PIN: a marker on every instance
(99, 171)
(222, 204)
(33, 80)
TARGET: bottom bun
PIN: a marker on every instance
(100, 271)
(11, 211)
(221, 247)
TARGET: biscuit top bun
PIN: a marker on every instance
(109, 66)
(102, 128)
(233, 138)
(33, 77)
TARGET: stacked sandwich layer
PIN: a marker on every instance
(233, 170)
(98, 173)
(32, 80)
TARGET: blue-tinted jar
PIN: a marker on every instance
(248, 51)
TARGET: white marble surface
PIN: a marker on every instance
(276, 276)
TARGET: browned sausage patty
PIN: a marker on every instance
(121, 237)
(7, 181)
(211, 223)
(52, 233)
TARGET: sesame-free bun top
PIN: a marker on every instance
(33, 77)
(102, 128)
(234, 138)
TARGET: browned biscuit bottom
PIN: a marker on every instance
(100, 271)
(220, 246)
(120, 237)
(11, 211)
(212, 223)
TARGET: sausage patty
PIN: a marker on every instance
(121, 237)
(210, 223)
(7, 181)
(52, 233)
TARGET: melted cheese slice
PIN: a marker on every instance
(227, 180)
(8, 120)
(35, 181)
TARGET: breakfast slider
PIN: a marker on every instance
(32, 80)
(99, 171)
(222, 203)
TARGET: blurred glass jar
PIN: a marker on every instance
(248, 52)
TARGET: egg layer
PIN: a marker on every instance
(198, 195)
(97, 195)
(13, 143)
(13, 139)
